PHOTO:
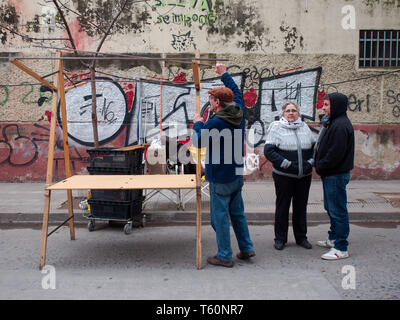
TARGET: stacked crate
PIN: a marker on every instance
(118, 205)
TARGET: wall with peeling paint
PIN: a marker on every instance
(296, 51)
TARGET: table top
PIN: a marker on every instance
(162, 181)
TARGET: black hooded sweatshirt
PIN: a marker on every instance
(335, 150)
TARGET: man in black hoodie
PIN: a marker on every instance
(334, 158)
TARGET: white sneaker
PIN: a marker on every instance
(326, 243)
(335, 254)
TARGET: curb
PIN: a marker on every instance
(189, 217)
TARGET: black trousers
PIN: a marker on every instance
(289, 190)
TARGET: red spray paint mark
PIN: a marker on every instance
(75, 78)
(129, 95)
(47, 114)
(81, 39)
(157, 78)
(320, 99)
(288, 70)
(250, 98)
(180, 78)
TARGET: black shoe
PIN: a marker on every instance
(305, 244)
(245, 255)
(279, 245)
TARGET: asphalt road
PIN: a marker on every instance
(159, 263)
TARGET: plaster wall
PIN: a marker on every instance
(268, 44)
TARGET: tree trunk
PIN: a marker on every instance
(94, 107)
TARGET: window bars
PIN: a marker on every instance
(379, 49)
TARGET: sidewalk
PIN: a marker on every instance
(368, 200)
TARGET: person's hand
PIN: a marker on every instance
(220, 68)
(307, 167)
(197, 117)
(286, 163)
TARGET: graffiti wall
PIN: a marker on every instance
(276, 51)
(133, 111)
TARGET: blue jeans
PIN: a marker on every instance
(335, 202)
(226, 202)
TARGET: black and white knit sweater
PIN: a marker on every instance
(290, 149)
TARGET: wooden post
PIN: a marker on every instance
(24, 68)
(67, 164)
(49, 174)
(196, 77)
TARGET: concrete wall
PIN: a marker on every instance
(277, 51)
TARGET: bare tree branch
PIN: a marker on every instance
(108, 31)
(93, 78)
(71, 39)
(92, 66)
(65, 23)
(80, 15)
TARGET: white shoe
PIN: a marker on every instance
(326, 243)
(335, 254)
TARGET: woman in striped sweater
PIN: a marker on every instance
(289, 147)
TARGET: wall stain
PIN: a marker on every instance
(236, 18)
(153, 65)
(292, 37)
(385, 3)
(134, 18)
(8, 16)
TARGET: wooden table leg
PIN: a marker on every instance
(67, 163)
(198, 227)
(45, 225)
(71, 214)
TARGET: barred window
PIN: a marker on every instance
(379, 48)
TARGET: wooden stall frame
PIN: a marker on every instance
(196, 78)
(105, 181)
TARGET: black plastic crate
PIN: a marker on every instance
(114, 194)
(112, 170)
(114, 158)
(119, 195)
(109, 171)
(116, 210)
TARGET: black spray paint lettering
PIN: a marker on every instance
(108, 115)
(86, 98)
(394, 99)
(252, 76)
(12, 141)
(182, 41)
(44, 99)
(357, 104)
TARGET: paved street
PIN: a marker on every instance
(159, 263)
